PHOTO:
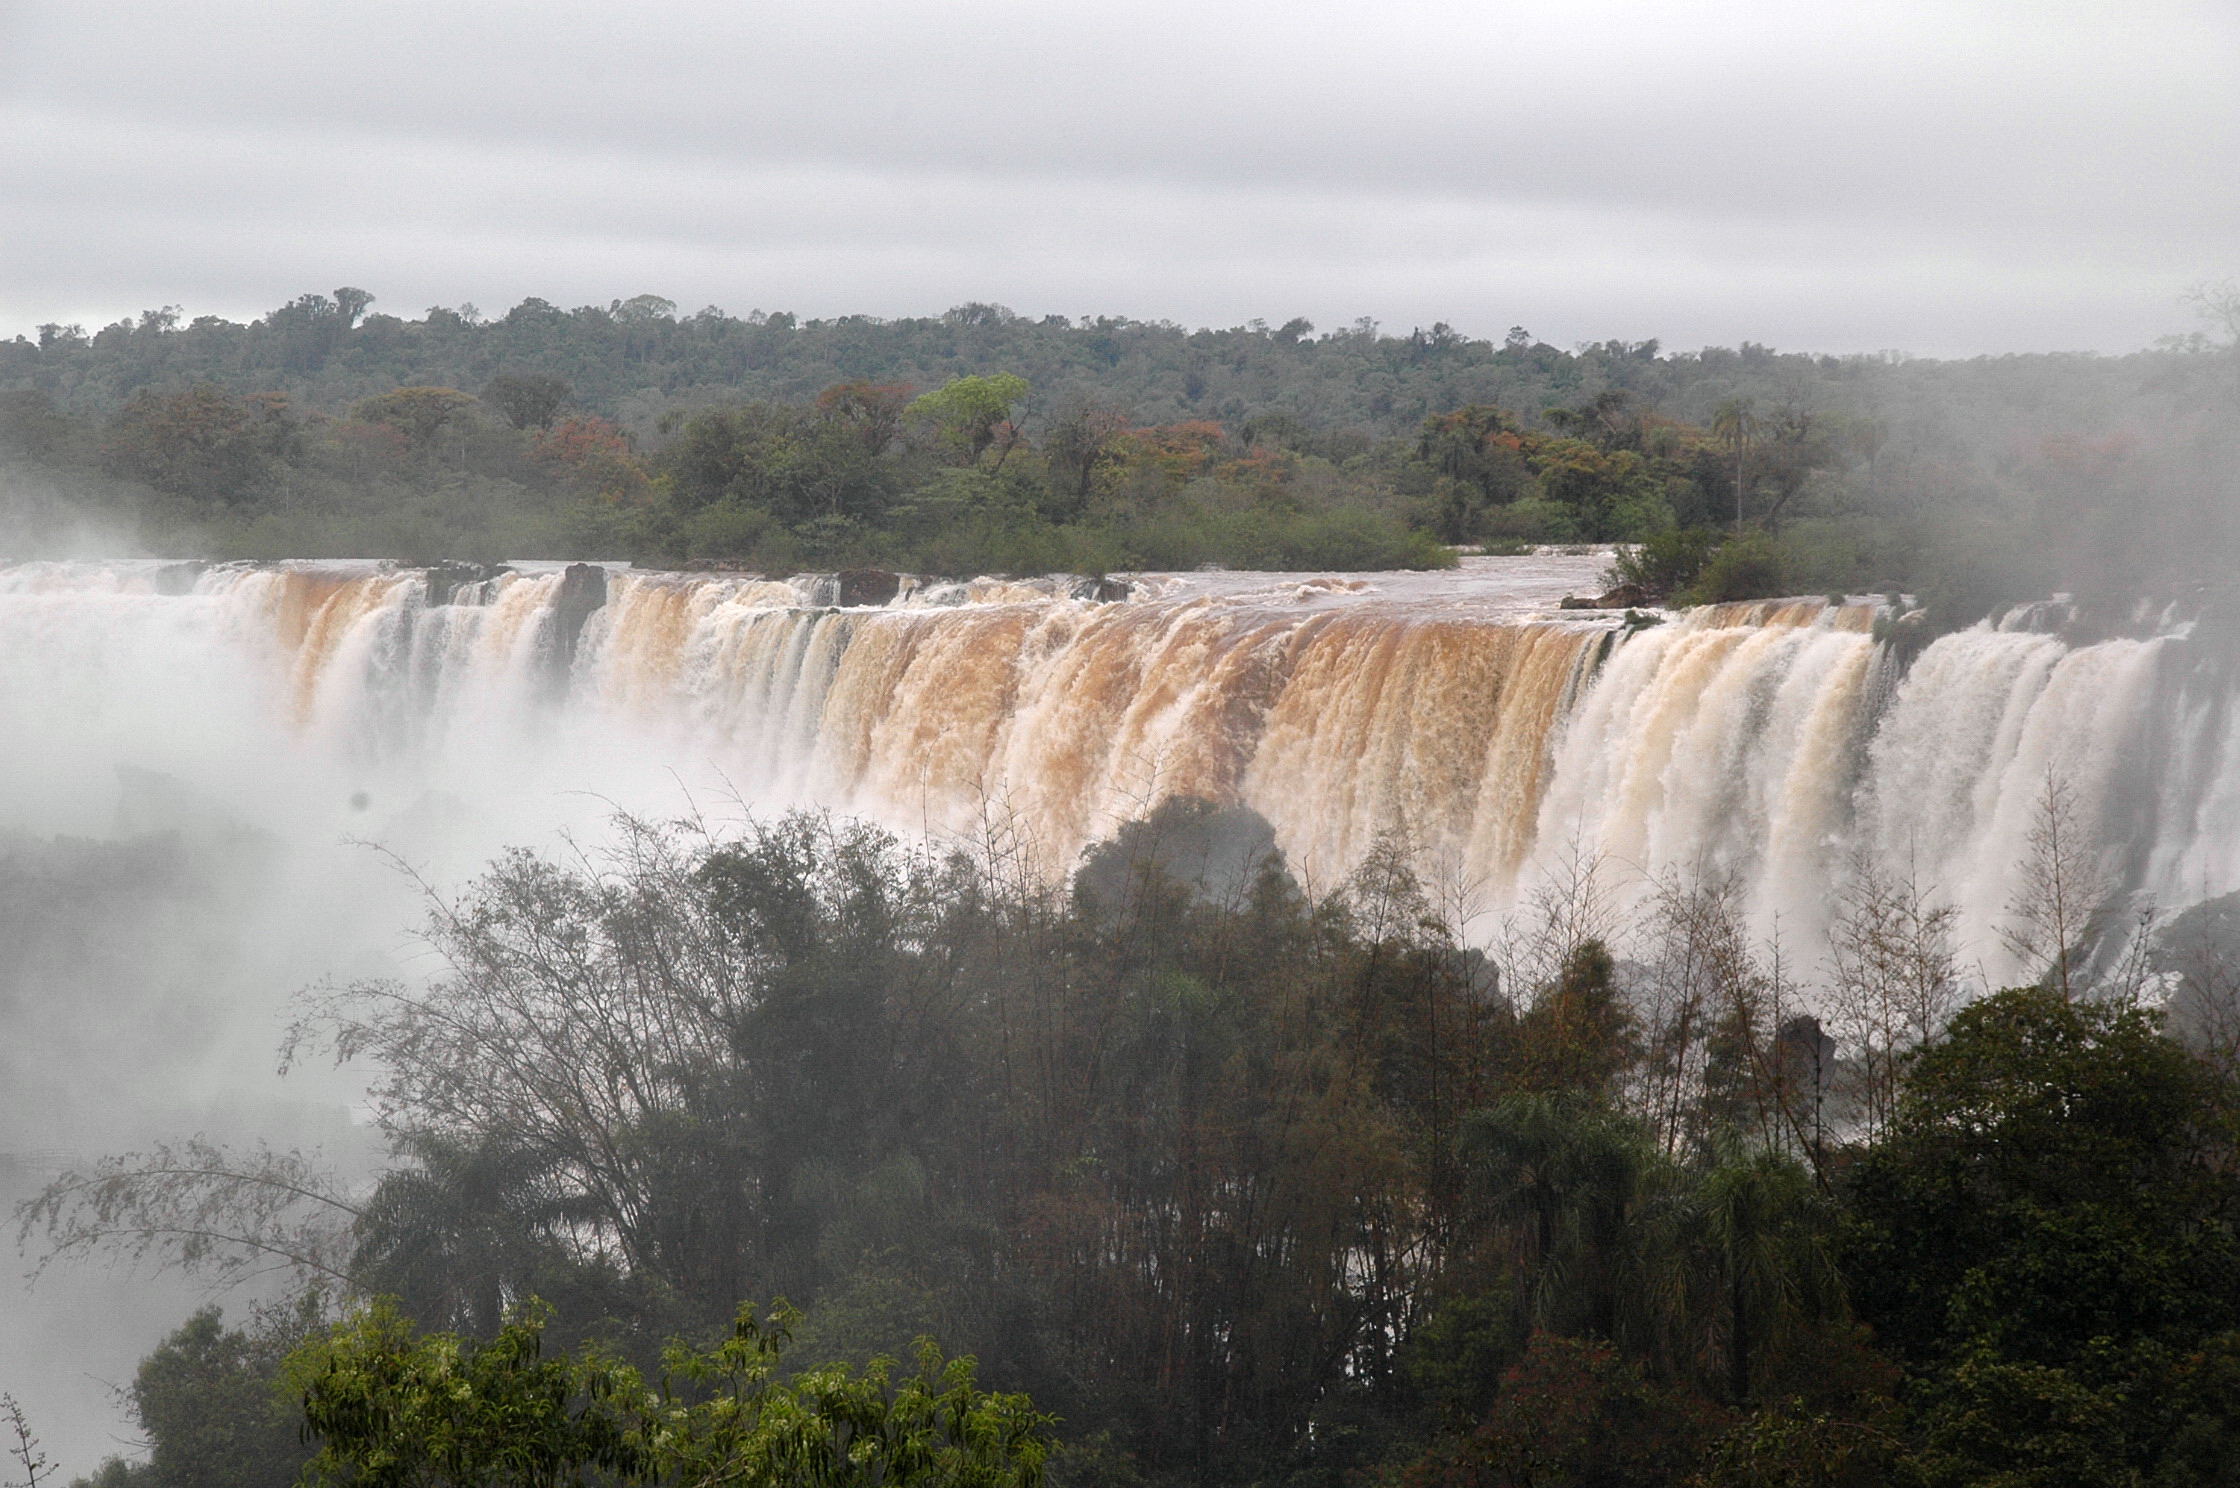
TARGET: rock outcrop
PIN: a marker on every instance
(1624, 597)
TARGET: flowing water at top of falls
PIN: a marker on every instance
(444, 713)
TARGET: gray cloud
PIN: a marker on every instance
(1942, 177)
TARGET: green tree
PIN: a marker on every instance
(1745, 566)
(419, 414)
(1736, 426)
(1569, 1181)
(395, 1408)
(350, 305)
(1477, 456)
(1577, 1037)
(1768, 1254)
(2047, 1231)
(1666, 563)
(788, 463)
(528, 402)
(211, 1401)
(31, 425)
(968, 414)
(1796, 444)
(203, 443)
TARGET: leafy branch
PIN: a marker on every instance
(201, 1208)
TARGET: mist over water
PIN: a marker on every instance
(193, 758)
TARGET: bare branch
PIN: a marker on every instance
(23, 1446)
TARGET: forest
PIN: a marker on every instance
(1178, 1173)
(985, 441)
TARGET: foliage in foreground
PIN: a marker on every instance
(1249, 1186)
(395, 1408)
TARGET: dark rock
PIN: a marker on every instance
(1624, 597)
(1102, 590)
(174, 579)
(445, 580)
(865, 586)
(583, 589)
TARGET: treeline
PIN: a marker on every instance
(1249, 1186)
(984, 440)
(944, 482)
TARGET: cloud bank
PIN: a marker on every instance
(1939, 177)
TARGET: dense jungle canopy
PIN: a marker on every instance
(982, 440)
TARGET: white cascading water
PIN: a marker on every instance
(1768, 741)
(1961, 763)
(1723, 744)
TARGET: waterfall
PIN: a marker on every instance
(1725, 744)
(1770, 744)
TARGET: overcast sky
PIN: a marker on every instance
(1940, 177)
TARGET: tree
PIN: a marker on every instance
(594, 456)
(790, 463)
(1796, 443)
(2218, 302)
(643, 309)
(1736, 426)
(32, 426)
(307, 329)
(1609, 419)
(871, 411)
(350, 304)
(1700, 971)
(394, 1408)
(1079, 445)
(530, 402)
(2044, 1235)
(22, 1447)
(211, 1402)
(1566, 1180)
(1747, 565)
(1666, 563)
(1577, 1038)
(1478, 452)
(666, 1037)
(203, 443)
(1576, 1411)
(417, 413)
(1788, 1445)
(458, 1232)
(1769, 1256)
(2061, 892)
(211, 1211)
(1893, 979)
(968, 414)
